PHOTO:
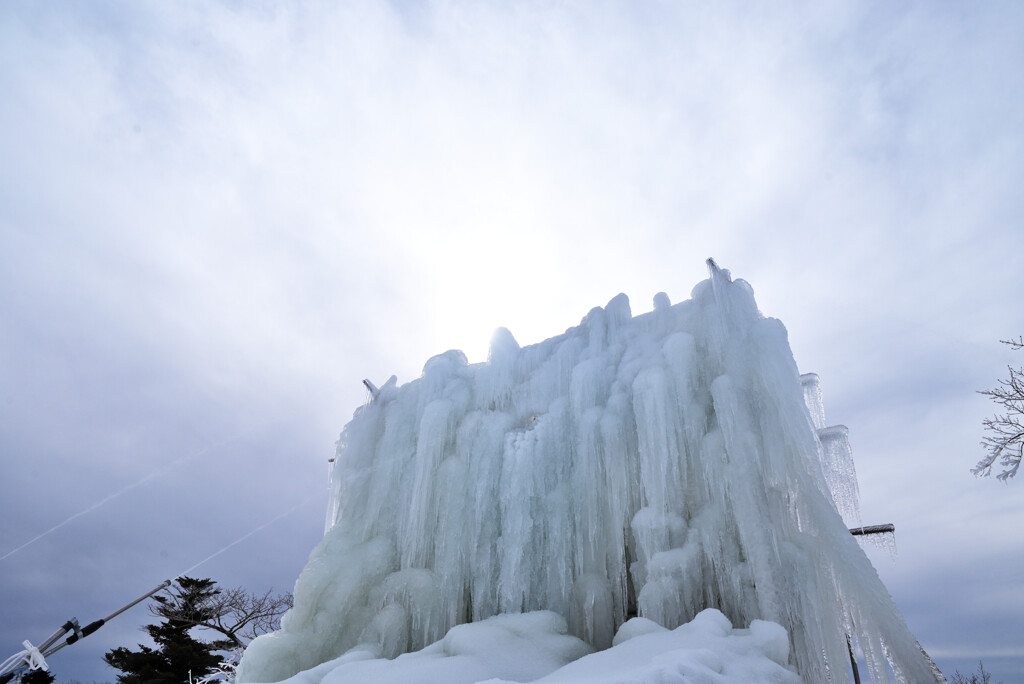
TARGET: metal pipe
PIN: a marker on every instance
(93, 626)
(69, 626)
(853, 661)
(873, 529)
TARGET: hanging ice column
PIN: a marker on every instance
(654, 465)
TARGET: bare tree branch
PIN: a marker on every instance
(1005, 441)
(235, 614)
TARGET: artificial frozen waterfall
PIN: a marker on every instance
(656, 465)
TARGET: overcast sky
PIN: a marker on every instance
(216, 219)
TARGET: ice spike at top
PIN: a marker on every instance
(656, 464)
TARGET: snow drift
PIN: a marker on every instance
(534, 647)
(656, 465)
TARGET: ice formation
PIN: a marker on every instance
(534, 647)
(656, 465)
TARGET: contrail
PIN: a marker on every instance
(248, 534)
(118, 493)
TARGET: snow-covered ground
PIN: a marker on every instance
(534, 647)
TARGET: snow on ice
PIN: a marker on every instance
(526, 647)
(602, 506)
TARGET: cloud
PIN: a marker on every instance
(216, 219)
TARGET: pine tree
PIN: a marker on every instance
(177, 656)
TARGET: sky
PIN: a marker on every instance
(218, 218)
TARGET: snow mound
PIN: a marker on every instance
(653, 466)
(534, 647)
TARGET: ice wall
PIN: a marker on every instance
(654, 465)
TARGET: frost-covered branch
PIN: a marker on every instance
(226, 671)
(1005, 439)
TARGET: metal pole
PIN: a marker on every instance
(873, 529)
(69, 626)
(853, 661)
(93, 626)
